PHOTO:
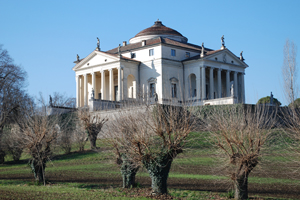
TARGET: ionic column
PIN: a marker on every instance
(228, 83)
(111, 85)
(243, 87)
(120, 83)
(235, 87)
(93, 83)
(102, 84)
(219, 83)
(203, 84)
(198, 80)
(211, 83)
(85, 90)
(77, 91)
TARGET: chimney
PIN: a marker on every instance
(124, 43)
(143, 42)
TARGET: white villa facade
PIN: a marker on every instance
(158, 64)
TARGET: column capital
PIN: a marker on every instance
(110, 69)
(235, 72)
(212, 68)
(219, 69)
(84, 75)
(92, 73)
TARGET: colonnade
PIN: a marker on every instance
(107, 91)
(238, 78)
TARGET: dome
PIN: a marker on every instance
(158, 30)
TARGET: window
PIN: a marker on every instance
(133, 55)
(151, 52)
(152, 89)
(187, 54)
(173, 52)
(174, 92)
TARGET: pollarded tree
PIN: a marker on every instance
(153, 136)
(92, 124)
(240, 133)
(267, 100)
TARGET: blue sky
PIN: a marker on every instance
(45, 36)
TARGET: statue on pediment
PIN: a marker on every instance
(241, 56)
(50, 101)
(77, 57)
(98, 44)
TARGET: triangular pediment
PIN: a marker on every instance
(225, 56)
(95, 58)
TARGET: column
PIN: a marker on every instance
(85, 94)
(211, 83)
(111, 85)
(198, 82)
(203, 84)
(102, 84)
(77, 91)
(120, 83)
(94, 83)
(219, 83)
(243, 87)
(228, 83)
(235, 87)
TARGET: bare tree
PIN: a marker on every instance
(92, 124)
(153, 136)
(240, 134)
(289, 71)
(12, 95)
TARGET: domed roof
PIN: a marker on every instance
(158, 29)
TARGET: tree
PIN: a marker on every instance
(13, 97)
(267, 100)
(240, 133)
(92, 124)
(289, 71)
(153, 136)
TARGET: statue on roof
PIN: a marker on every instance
(98, 44)
(271, 99)
(119, 49)
(77, 57)
(223, 42)
(50, 101)
(202, 50)
(241, 56)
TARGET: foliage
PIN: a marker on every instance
(267, 100)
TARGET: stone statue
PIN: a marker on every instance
(156, 97)
(119, 49)
(98, 43)
(77, 57)
(50, 101)
(241, 56)
(93, 93)
(222, 40)
(271, 99)
(231, 88)
(202, 50)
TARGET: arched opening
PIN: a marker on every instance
(192, 85)
(131, 86)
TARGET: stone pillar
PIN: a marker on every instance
(94, 83)
(85, 90)
(219, 83)
(198, 94)
(120, 83)
(203, 89)
(243, 87)
(211, 83)
(102, 84)
(111, 85)
(228, 83)
(235, 86)
(77, 91)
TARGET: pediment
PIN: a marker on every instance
(94, 59)
(226, 56)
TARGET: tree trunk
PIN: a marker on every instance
(38, 171)
(2, 155)
(93, 139)
(158, 170)
(241, 187)
(128, 174)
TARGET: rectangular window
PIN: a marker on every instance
(133, 55)
(151, 52)
(152, 89)
(174, 92)
(187, 54)
(173, 52)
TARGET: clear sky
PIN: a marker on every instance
(45, 36)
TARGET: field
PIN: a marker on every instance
(195, 174)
